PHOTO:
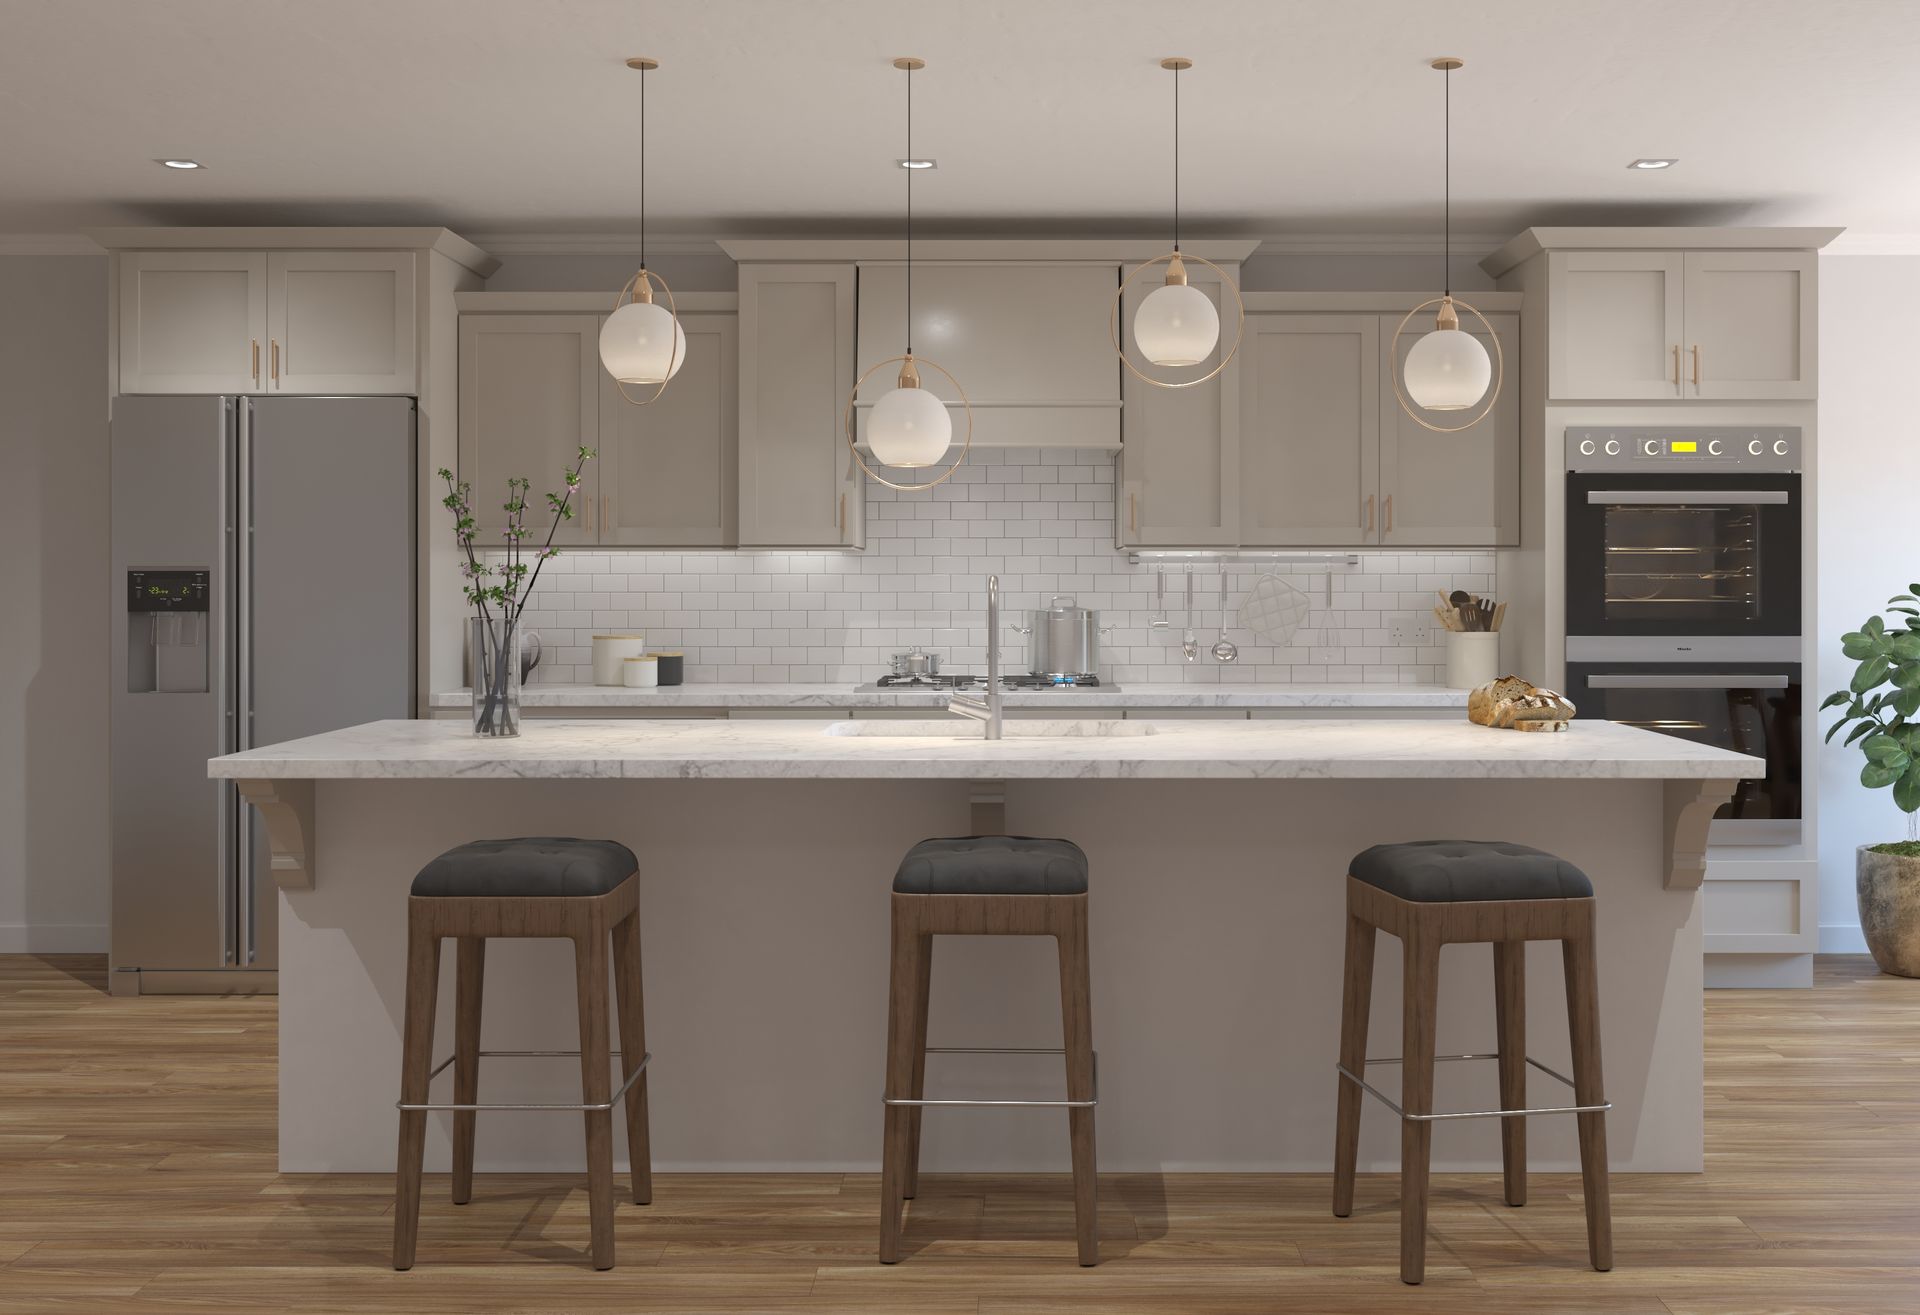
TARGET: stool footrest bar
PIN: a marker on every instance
(1005, 1104)
(1394, 1105)
(611, 1103)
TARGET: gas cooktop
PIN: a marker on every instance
(1084, 684)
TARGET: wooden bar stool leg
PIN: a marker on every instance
(910, 946)
(416, 1061)
(633, 1048)
(1076, 1027)
(469, 974)
(1356, 1002)
(1510, 1025)
(590, 973)
(923, 991)
(1419, 989)
(1583, 1027)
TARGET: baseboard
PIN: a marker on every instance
(1762, 971)
(1842, 938)
(53, 938)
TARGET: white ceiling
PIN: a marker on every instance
(1048, 117)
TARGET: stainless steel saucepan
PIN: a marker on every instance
(1063, 640)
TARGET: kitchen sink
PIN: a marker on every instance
(955, 728)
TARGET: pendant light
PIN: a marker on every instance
(1448, 369)
(909, 427)
(1176, 325)
(642, 342)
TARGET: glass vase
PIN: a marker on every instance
(496, 676)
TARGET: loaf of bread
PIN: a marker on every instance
(1511, 703)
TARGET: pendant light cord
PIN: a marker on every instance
(1176, 161)
(643, 168)
(1446, 204)
(910, 171)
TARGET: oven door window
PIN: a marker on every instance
(1681, 564)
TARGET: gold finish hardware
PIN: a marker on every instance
(853, 446)
(1177, 272)
(1133, 513)
(1448, 318)
(606, 510)
(1696, 365)
(1447, 63)
(1368, 527)
(1386, 523)
(1499, 368)
(841, 524)
(1676, 367)
(276, 359)
(640, 288)
(909, 373)
(1176, 63)
(256, 361)
(643, 64)
(586, 508)
(909, 64)
(1172, 258)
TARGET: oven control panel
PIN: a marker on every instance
(1692, 447)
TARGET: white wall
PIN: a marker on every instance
(53, 621)
(1869, 475)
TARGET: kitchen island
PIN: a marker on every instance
(766, 848)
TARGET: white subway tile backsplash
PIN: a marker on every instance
(1041, 520)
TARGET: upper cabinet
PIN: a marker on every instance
(1616, 325)
(1309, 430)
(298, 321)
(1751, 324)
(798, 485)
(529, 400)
(1451, 489)
(667, 469)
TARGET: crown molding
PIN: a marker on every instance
(591, 244)
(1874, 244)
(49, 244)
(1466, 246)
(1471, 246)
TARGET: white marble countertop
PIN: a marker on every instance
(952, 749)
(1168, 695)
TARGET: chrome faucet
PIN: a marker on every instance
(987, 709)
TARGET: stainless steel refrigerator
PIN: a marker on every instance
(263, 575)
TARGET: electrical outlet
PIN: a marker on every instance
(1406, 632)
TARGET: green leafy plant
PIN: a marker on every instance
(1881, 704)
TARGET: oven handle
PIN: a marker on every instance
(1690, 497)
(1688, 682)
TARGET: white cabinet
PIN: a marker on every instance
(798, 485)
(192, 321)
(1309, 430)
(1663, 325)
(1451, 490)
(1179, 464)
(267, 322)
(529, 400)
(667, 470)
(340, 322)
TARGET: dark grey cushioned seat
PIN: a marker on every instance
(529, 867)
(992, 865)
(1438, 871)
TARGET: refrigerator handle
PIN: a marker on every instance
(245, 942)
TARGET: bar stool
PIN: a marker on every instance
(584, 890)
(985, 886)
(1436, 892)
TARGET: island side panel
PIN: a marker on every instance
(1216, 921)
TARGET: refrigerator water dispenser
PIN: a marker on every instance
(167, 632)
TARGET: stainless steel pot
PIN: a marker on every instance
(913, 662)
(1063, 639)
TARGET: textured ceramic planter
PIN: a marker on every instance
(1889, 891)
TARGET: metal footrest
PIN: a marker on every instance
(611, 1103)
(1393, 1105)
(1006, 1104)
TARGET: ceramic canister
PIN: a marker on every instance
(640, 672)
(608, 653)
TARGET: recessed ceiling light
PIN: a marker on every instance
(1653, 164)
(918, 164)
(181, 164)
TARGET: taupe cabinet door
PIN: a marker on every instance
(1450, 490)
(529, 399)
(798, 485)
(1751, 324)
(340, 322)
(1309, 430)
(668, 469)
(1180, 452)
(193, 322)
(1615, 325)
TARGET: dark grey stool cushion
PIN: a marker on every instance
(535, 867)
(992, 865)
(1438, 871)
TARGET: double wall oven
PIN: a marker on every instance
(1683, 599)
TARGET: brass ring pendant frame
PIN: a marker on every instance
(1499, 369)
(1239, 333)
(853, 445)
(639, 288)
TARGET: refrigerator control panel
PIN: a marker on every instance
(167, 591)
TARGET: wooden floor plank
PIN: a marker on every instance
(137, 1174)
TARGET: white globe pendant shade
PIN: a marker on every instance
(1448, 370)
(642, 343)
(909, 427)
(1176, 325)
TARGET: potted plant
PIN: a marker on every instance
(1882, 706)
(499, 591)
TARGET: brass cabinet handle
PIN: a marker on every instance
(586, 508)
(1696, 365)
(1369, 525)
(276, 359)
(1676, 367)
(1133, 513)
(256, 361)
(841, 524)
(606, 510)
(1386, 526)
